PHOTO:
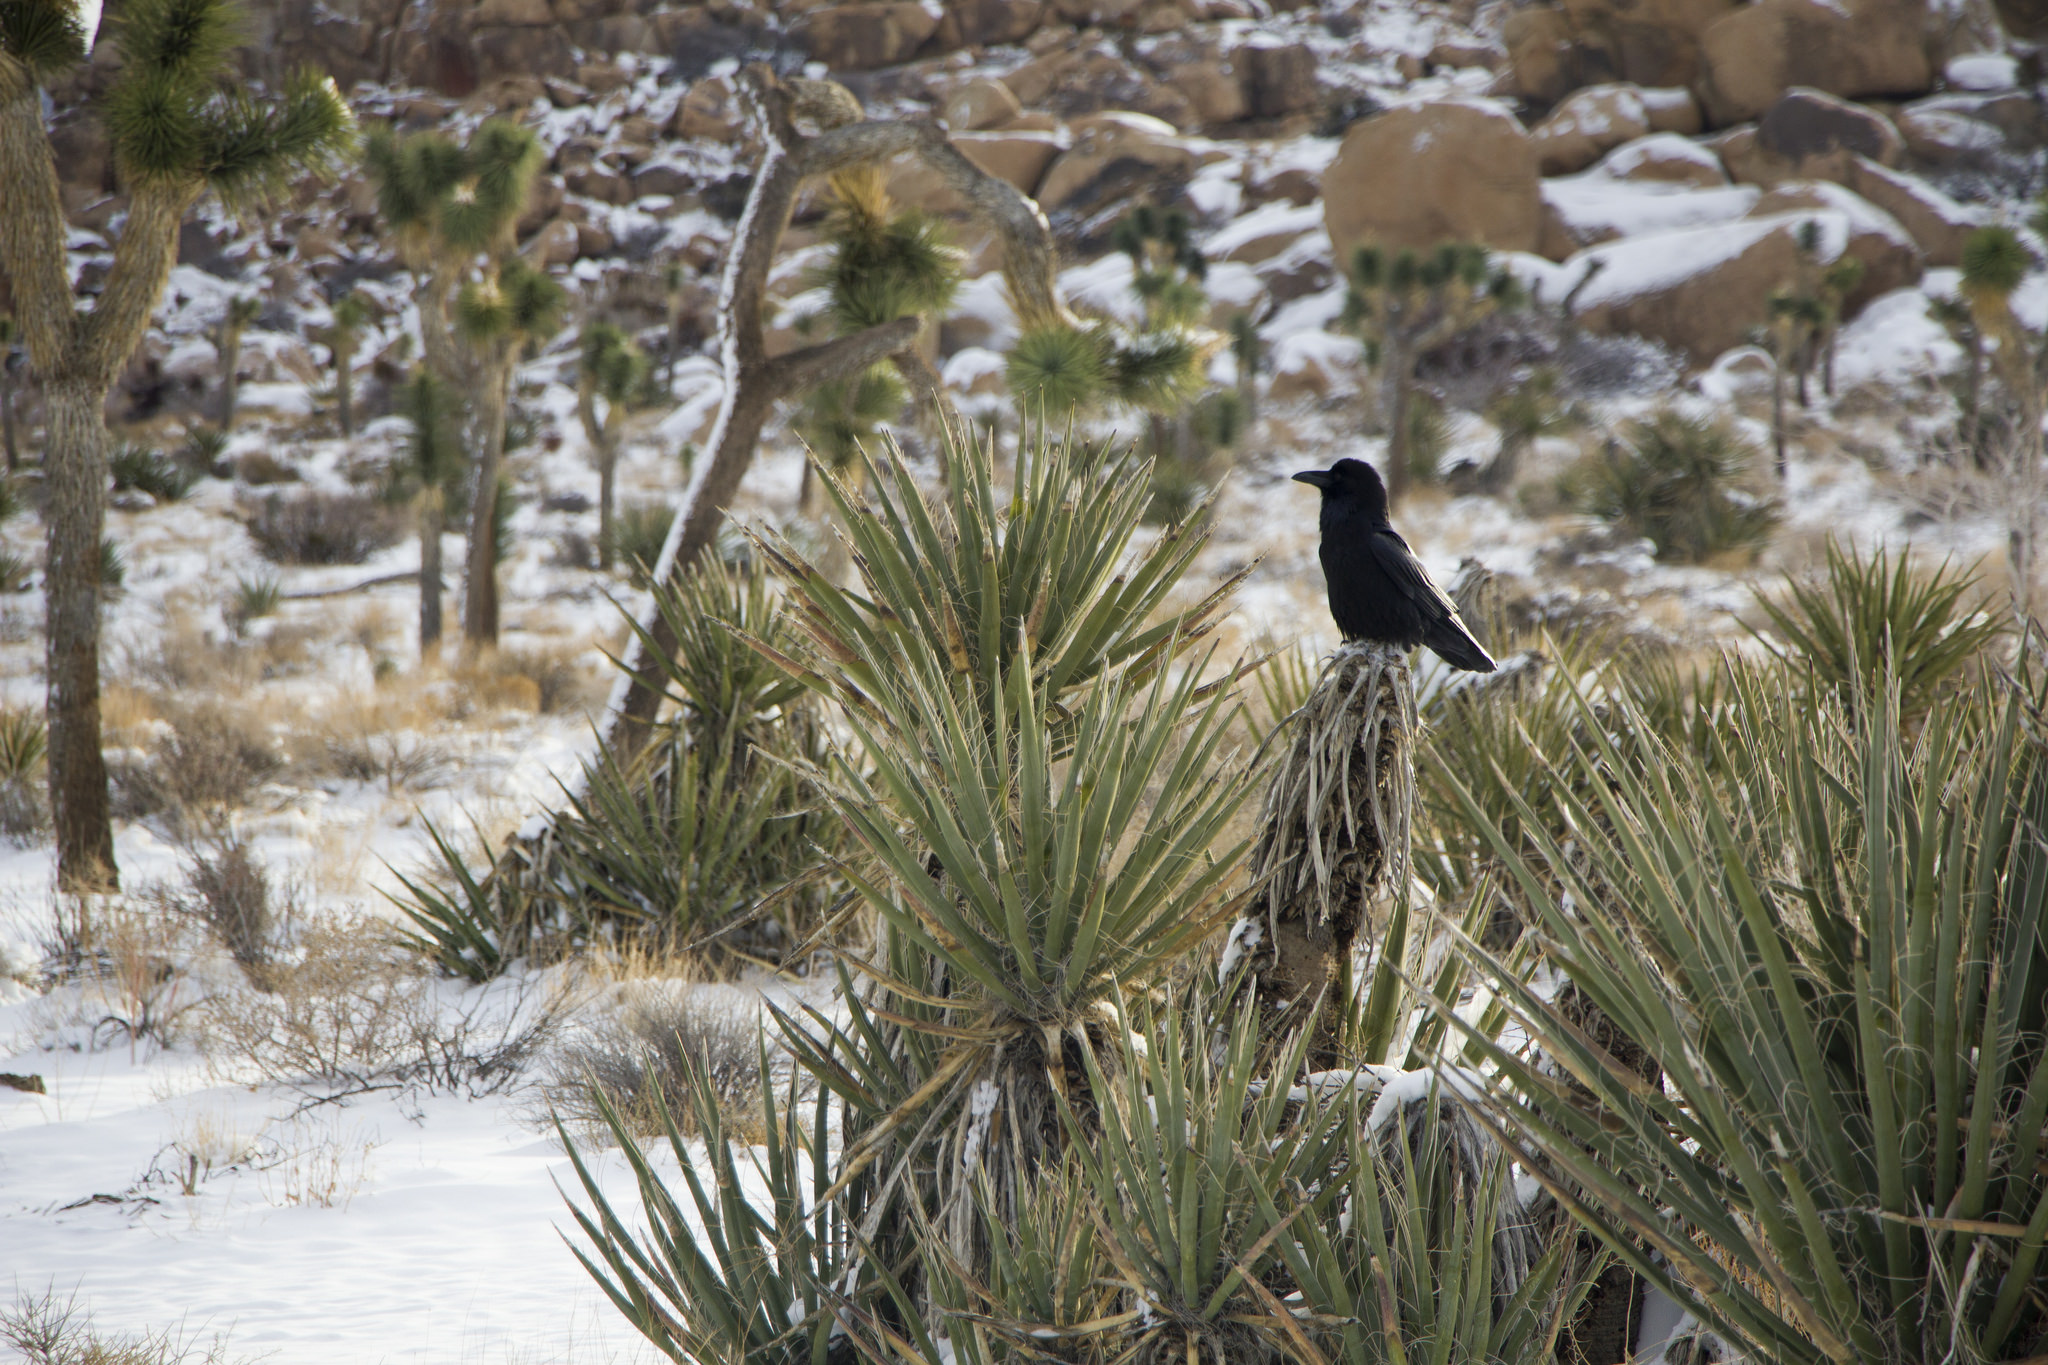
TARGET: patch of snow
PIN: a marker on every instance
(1893, 340)
(1984, 71)
(1268, 220)
(1595, 203)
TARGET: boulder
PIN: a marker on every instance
(2019, 119)
(1457, 170)
(1583, 210)
(1215, 91)
(1020, 158)
(1664, 158)
(1753, 55)
(1279, 78)
(515, 13)
(985, 23)
(1702, 290)
(863, 36)
(1588, 124)
(1891, 259)
(1314, 364)
(1109, 152)
(1671, 109)
(1937, 223)
(1555, 48)
(1263, 233)
(558, 244)
(1805, 127)
(1457, 55)
(1942, 138)
(506, 51)
(663, 177)
(1089, 81)
(1543, 59)
(980, 103)
(1296, 184)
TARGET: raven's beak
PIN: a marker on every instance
(1318, 478)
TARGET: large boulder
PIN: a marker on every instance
(1664, 159)
(1556, 48)
(863, 36)
(1587, 125)
(1457, 170)
(1702, 291)
(981, 23)
(1111, 153)
(980, 103)
(1854, 48)
(1804, 127)
(1090, 80)
(1938, 224)
(1279, 78)
(1891, 259)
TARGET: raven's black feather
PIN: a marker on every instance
(1379, 590)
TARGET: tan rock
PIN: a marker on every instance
(985, 23)
(865, 35)
(1452, 171)
(507, 51)
(1295, 184)
(1804, 126)
(514, 13)
(1851, 49)
(1671, 109)
(1109, 149)
(709, 111)
(1937, 223)
(1020, 158)
(1089, 81)
(1587, 125)
(1891, 259)
(1942, 137)
(1215, 91)
(1264, 233)
(1279, 78)
(1457, 55)
(980, 103)
(558, 244)
(1542, 55)
(1555, 48)
(1665, 158)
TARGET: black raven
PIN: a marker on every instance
(1379, 591)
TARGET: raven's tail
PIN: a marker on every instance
(1456, 647)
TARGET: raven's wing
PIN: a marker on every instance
(1443, 629)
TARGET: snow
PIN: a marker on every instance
(1595, 204)
(1984, 71)
(1894, 339)
(1641, 265)
(1278, 219)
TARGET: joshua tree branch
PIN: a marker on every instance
(142, 263)
(754, 382)
(32, 232)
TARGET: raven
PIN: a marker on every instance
(1379, 591)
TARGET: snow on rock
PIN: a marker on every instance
(1894, 340)
(1596, 207)
(1984, 71)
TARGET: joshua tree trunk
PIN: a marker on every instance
(344, 384)
(1499, 475)
(76, 520)
(607, 482)
(433, 520)
(480, 598)
(7, 414)
(1778, 416)
(1397, 400)
(231, 360)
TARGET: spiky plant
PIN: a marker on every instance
(1404, 305)
(351, 315)
(1676, 481)
(431, 476)
(841, 416)
(1871, 621)
(498, 315)
(1525, 411)
(242, 310)
(611, 368)
(1833, 951)
(178, 128)
(1249, 349)
(149, 471)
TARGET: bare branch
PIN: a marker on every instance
(840, 358)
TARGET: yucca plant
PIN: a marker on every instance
(24, 742)
(242, 311)
(430, 475)
(1871, 620)
(255, 598)
(148, 471)
(637, 535)
(1835, 954)
(350, 317)
(1676, 481)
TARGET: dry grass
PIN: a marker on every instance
(48, 1331)
(641, 1056)
(121, 963)
(206, 762)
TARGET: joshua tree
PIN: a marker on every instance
(1250, 350)
(432, 471)
(1837, 282)
(1405, 306)
(1795, 320)
(351, 316)
(243, 309)
(612, 368)
(1995, 260)
(455, 210)
(10, 356)
(1524, 412)
(1168, 272)
(673, 278)
(177, 130)
(497, 317)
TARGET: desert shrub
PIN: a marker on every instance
(349, 1014)
(24, 744)
(1676, 481)
(261, 469)
(650, 1049)
(558, 673)
(121, 963)
(323, 528)
(1867, 621)
(231, 894)
(202, 449)
(46, 1331)
(113, 570)
(15, 571)
(207, 766)
(148, 471)
(395, 760)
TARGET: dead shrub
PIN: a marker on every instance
(206, 766)
(230, 893)
(324, 528)
(642, 1056)
(121, 963)
(559, 675)
(49, 1331)
(261, 469)
(349, 1014)
(400, 761)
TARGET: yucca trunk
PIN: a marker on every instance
(607, 487)
(75, 520)
(231, 379)
(480, 600)
(433, 520)
(7, 417)
(1398, 385)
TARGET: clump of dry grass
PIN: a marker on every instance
(45, 1330)
(323, 528)
(205, 764)
(123, 961)
(640, 1059)
(230, 892)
